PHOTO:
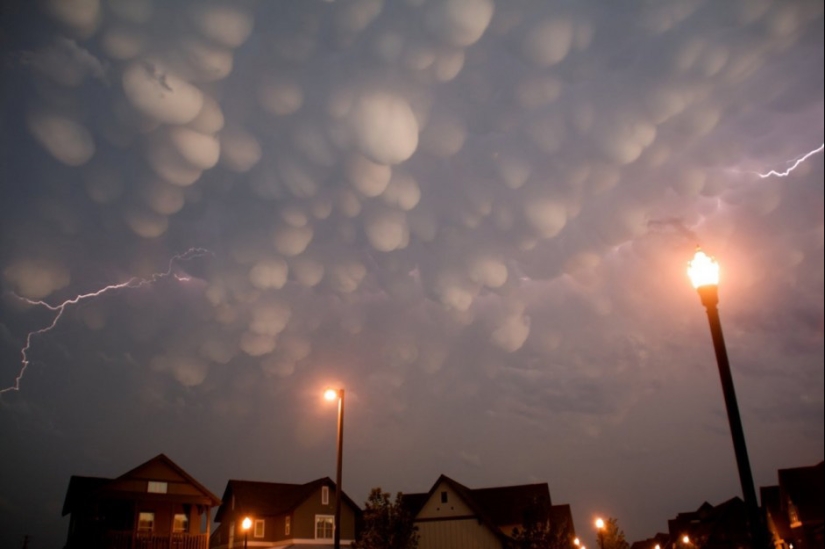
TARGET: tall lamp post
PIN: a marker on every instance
(245, 525)
(704, 274)
(332, 394)
(600, 532)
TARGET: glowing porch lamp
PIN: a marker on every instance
(246, 524)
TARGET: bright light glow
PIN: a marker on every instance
(703, 270)
(331, 394)
(685, 539)
(599, 523)
(576, 542)
(247, 523)
(657, 546)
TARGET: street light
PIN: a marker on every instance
(600, 532)
(703, 271)
(332, 394)
(245, 525)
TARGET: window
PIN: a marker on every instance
(232, 534)
(258, 532)
(180, 523)
(287, 525)
(324, 525)
(157, 487)
(146, 521)
(443, 497)
(325, 495)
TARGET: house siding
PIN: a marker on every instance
(303, 523)
(452, 524)
(456, 534)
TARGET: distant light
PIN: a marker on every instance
(330, 394)
(703, 270)
(599, 523)
(576, 542)
(685, 539)
(657, 546)
(247, 523)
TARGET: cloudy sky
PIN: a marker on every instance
(474, 215)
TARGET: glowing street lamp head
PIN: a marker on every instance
(331, 394)
(685, 539)
(246, 524)
(576, 542)
(599, 523)
(703, 270)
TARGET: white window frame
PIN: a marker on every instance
(287, 525)
(146, 516)
(157, 487)
(256, 533)
(330, 519)
(324, 495)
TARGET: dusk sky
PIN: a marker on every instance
(473, 215)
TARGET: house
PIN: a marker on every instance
(776, 520)
(452, 516)
(724, 526)
(156, 505)
(795, 507)
(282, 515)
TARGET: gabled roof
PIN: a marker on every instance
(83, 489)
(495, 507)
(271, 498)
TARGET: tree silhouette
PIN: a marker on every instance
(387, 524)
(539, 532)
(611, 536)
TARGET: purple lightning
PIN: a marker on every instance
(131, 283)
(796, 163)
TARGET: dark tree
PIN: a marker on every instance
(611, 536)
(538, 531)
(387, 524)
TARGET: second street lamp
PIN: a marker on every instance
(332, 394)
(704, 274)
(600, 532)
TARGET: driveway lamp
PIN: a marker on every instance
(600, 532)
(331, 395)
(703, 271)
(246, 525)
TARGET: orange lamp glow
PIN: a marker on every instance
(331, 394)
(599, 523)
(246, 524)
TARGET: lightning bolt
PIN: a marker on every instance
(134, 282)
(795, 164)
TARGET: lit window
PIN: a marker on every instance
(259, 528)
(287, 526)
(146, 522)
(156, 487)
(325, 495)
(324, 525)
(181, 523)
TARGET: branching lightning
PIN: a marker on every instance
(795, 164)
(61, 308)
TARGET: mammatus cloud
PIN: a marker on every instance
(463, 208)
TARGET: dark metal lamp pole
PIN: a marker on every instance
(709, 295)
